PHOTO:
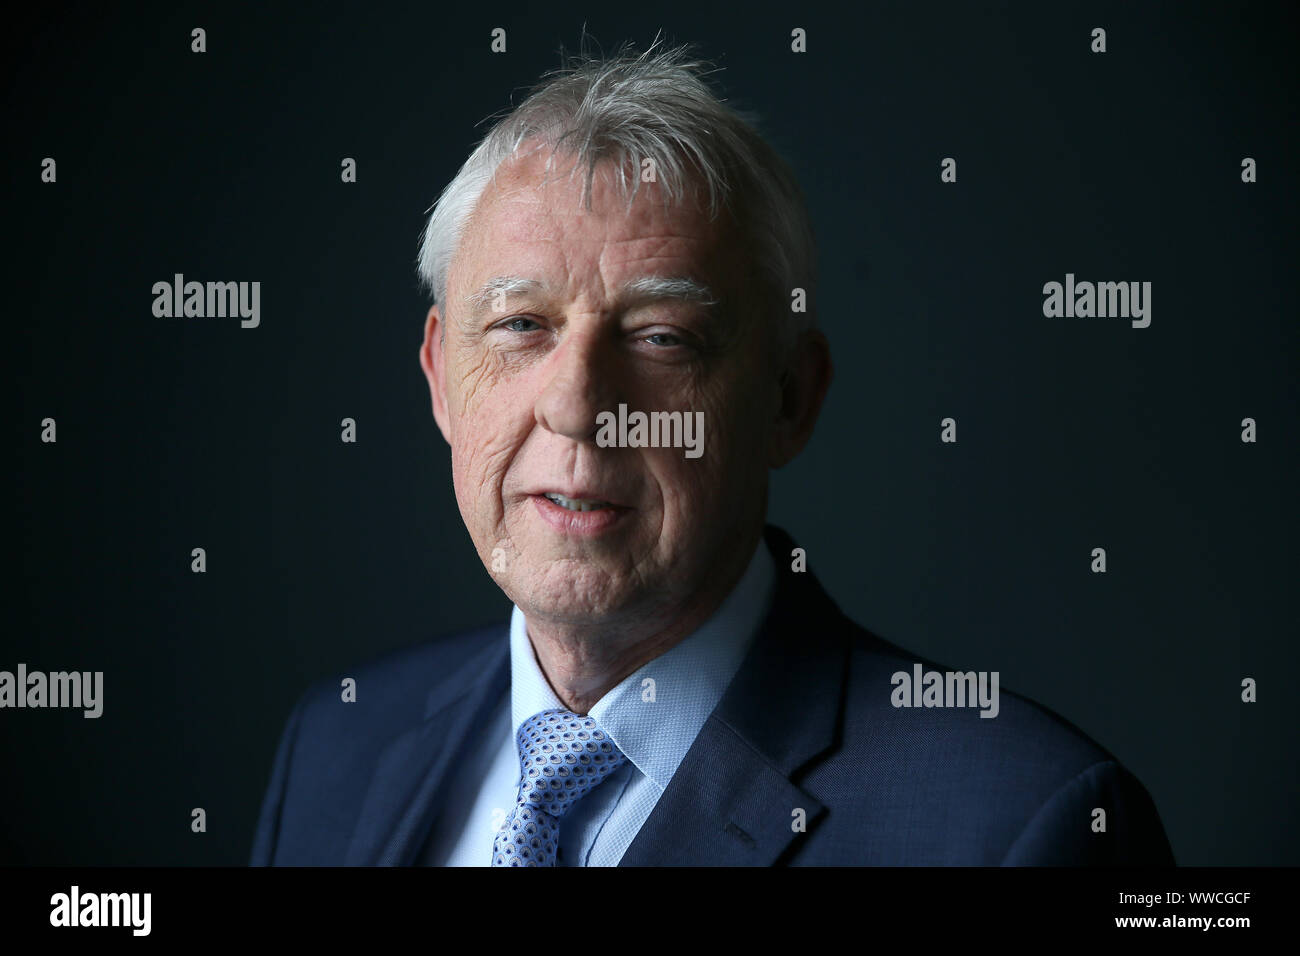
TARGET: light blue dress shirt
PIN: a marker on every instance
(653, 716)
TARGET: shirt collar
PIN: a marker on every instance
(654, 714)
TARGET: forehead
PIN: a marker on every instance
(532, 220)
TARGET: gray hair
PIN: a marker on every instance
(631, 107)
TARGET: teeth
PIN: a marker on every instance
(576, 504)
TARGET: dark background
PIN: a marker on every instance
(1073, 433)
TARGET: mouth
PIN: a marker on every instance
(581, 514)
(576, 504)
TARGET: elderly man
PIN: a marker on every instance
(674, 687)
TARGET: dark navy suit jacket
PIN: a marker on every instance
(806, 724)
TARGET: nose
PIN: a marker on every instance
(580, 384)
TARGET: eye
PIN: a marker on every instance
(519, 323)
(663, 339)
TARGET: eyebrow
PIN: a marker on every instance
(501, 285)
(642, 289)
(675, 287)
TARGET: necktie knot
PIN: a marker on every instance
(562, 756)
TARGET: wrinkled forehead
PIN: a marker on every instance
(537, 216)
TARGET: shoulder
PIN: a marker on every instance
(397, 688)
(333, 739)
(930, 704)
(995, 779)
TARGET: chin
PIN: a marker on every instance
(573, 593)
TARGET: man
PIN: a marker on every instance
(674, 686)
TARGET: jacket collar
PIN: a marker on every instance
(399, 806)
(732, 801)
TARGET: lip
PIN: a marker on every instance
(582, 524)
(585, 494)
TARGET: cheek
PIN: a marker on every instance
(734, 462)
(699, 491)
(480, 456)
(488, 426)
(733, 415)
(470, 409)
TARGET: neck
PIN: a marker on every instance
(584, 662)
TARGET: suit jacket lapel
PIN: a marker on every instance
(399, 806)
(732, 802)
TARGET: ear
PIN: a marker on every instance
(432, 360)
(807, 376)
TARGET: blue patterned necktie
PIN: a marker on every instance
(563, 756)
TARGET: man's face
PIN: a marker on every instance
(520, 379)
